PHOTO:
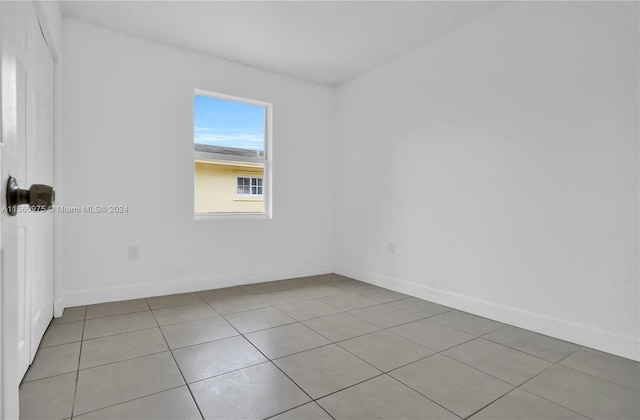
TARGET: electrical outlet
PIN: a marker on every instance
(133, 252)
(391, 247)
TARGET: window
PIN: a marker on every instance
(249, 186)
(232, 156)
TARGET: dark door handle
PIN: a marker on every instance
(39, 197)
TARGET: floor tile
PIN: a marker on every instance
(197, 332)
(340, 326)
(538, 345)
(217, 357)
(102, 386)
(225, 306)
(420, 307)
(353, 286)
(325, 370)
(127, 372)
(330, 278)
(310, 309)
(349, 301)
(118, 324)
(588, 395)
(167, 405)
(258, 319)
(384, 316)
(431, 334)
(183, 313)
(383, 295)
(56, 360)
(270, 286)
(382, 398)
(323, 290)
(466, 322)
(226, 292)
(300, 282)
(310, 411)
(68, 332)
(168, 301)
(283, 296)
(115, 348)
(255, 392)
(502, 362)
(385, 350)
(522, 405)
(286, 340)
(616, 369)
(71, 314)
(50, 398)
(459, 388)
(116, 308)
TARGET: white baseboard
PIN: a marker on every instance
(58, 307)
(585, 335)
(150, 289)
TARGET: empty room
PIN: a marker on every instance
(320, 210)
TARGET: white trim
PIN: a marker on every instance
(142, 290)
(586, 335)
(230, 216)
(55, 49)
(232, 98)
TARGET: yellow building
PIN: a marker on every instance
(227, 186)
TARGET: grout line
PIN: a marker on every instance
(523, 352)
(526, 352)
(119, 333)
(477, 369)
(594, 376)
(191, 320)
(544, 398)
(75, 390)
(492, 402)
(323, 409)
(419, 393)
(124, 360)
(271, 362)
(131, 400)
(552, 402)
(185, 383)
(298, 406)
(302, 351)
(217, 375)
(347, 387)
(60, 344)
(114, 315)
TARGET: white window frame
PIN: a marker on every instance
(266, 160)
(250, 178)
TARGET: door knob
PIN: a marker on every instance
(39, 197)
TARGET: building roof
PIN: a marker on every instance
(227, 150)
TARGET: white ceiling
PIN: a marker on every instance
(326, 42)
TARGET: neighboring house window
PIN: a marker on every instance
(232, 155)
(249, 186)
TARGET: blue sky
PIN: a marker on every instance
(218, 122)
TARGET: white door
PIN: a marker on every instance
(35, 166)
(26, 154)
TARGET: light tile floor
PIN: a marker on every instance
(313, 348)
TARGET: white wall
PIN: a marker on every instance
(502, 159)
(128, 140)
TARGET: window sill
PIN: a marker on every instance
(249, 200)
